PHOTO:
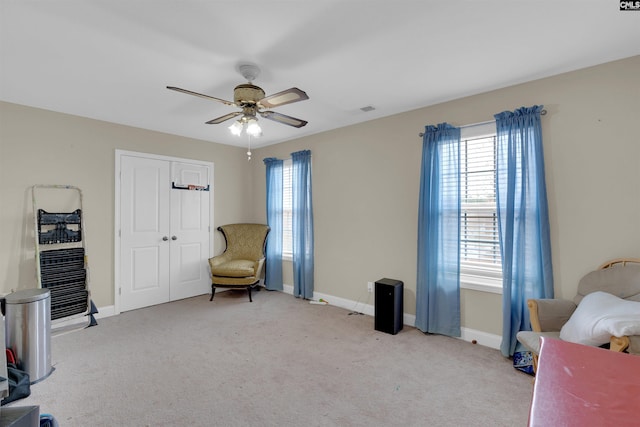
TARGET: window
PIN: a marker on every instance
(287, 214)
(480, 260)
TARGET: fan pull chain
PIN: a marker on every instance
(249, 148)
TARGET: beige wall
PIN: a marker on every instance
(366, 183)
(44, 147)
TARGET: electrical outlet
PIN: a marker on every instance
(370, 286)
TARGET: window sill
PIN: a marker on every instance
(481, 283)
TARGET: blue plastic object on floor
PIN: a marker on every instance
(48, 420)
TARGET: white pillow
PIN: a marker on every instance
(599, 316)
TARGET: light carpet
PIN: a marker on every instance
(278, 361)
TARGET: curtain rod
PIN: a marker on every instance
(542, 113)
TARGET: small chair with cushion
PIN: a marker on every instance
(605, 310)
(240, 265)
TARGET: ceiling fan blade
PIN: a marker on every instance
(281, 118)
(282, 98)
(188, 92)
(223, 118)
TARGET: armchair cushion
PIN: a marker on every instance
(235, 268)
(600, 316)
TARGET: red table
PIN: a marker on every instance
(578, 385)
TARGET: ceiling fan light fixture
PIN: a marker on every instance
(253, 128)
(249, 125)
(236, 128)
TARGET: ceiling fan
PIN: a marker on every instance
(252, 100)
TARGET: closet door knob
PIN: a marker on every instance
(174, 238)
(165, 238)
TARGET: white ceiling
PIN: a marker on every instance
(111, 60)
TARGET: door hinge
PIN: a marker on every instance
(119, 291)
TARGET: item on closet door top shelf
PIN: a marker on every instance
(191, 187)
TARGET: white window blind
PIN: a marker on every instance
(287, 224)
(479, 241)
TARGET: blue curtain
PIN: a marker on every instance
(438, 281)
(302, 228)
(273, 264)
(523, 219)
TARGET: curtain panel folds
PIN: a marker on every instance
(438, 275)
(302, 229)
(523, 219)
(273, 265)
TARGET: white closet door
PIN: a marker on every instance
(190, 219)
(165, 218)
(145, 232)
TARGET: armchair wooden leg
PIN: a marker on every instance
(619, 344)
(249, 290)
(213, 292)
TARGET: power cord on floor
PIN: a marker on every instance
(359, 302)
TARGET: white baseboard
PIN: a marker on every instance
(64, 326)
(107, 311)
(483, 338)
(470, 335)
(347, 304)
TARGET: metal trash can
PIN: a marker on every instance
(28, 331)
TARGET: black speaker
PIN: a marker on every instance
(389, 307)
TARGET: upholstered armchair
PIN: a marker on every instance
(609, 288)
(240, 265)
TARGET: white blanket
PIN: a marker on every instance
(599, 316)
